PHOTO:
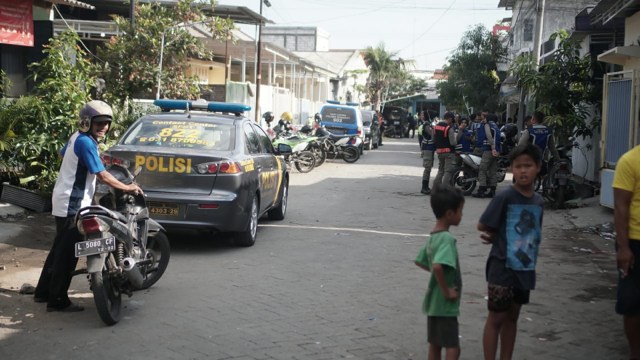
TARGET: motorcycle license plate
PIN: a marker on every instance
(396, 123)
(95, 246)
(163, 209)
(562, 176)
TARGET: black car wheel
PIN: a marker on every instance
(278, 212)
(247, 237)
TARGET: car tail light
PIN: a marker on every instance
(91, 225)
(208, 168)
(224, 167)
(108, 160)
(563, 166)
(359, 131)
(229, 168)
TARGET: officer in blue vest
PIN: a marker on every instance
(444, 137)
(539, 134)
(427, 147)
(474, 126)
(464, 135)
(488, 139)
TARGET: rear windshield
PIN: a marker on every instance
(342, 115)
(182, 134)
(367, 116)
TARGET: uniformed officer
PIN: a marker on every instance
(539, 134)
(427, 148)
(488, 139)
(444, 138)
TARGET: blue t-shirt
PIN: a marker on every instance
(517, 220)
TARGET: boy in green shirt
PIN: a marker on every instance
(440, 256)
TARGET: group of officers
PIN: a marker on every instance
(479, 134)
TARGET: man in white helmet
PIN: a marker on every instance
(74, 189)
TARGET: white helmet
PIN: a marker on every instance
(91, 110)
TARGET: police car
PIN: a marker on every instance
(206, 167)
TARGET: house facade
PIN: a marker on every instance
(289, 82)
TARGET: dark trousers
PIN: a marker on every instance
(55, 277)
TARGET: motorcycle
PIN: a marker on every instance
(465, 176)
(125, 249)
(334, 146)
(303, 159)
(556, 183)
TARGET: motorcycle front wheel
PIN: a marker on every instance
(305, 161)
(350, 154)
(158, 252)
(107, 297)
(319, 154)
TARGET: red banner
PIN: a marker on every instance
(16, 22)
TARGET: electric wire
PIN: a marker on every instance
(72, 29)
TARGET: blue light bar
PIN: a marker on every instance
(212, 106)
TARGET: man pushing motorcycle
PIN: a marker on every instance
(74, 189)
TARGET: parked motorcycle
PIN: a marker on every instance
(334, 146)
(303, 159)
(125, 250)
(465, 177)
(556, 183)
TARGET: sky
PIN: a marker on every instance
(424, 30)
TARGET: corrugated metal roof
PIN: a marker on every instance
(74, 3)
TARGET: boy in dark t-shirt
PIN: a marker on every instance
(511, 223)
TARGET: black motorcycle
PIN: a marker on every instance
(465, 176)
(125, 249)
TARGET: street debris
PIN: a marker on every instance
(27, 289)
(606, 231)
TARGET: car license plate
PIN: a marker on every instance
(163, 209)
(396, 123)
(95, 246)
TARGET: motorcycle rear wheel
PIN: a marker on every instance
(159, 252)
(462, 183)
(305, 161)
(107, 297)
(350, 154)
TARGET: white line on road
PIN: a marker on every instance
(341, 229)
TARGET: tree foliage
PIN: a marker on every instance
(564, 88)
(132, 58)
(386, 72)
(39, 124)
(473, 79)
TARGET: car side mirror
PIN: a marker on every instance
(284, 149)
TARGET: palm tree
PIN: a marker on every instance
(383, 66)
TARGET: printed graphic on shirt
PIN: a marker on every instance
(523, 236)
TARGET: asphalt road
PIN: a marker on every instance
(334, 280)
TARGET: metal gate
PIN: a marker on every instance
(618, 127)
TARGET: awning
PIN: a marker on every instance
(620, 54)
(74, 3)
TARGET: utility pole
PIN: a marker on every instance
(540, 30)
(132, 16)
(259, 62)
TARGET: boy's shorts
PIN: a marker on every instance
(442, 331)
(629, 288)
(501, 298)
